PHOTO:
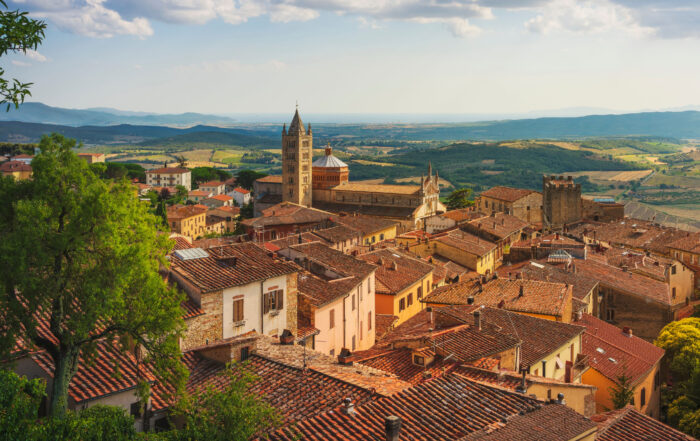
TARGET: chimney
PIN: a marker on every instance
(521, 292)
(431, 319)
(344, 357)
(627, 331)
(470, 300)
(477, 319)
(287, 338)
(348, 407)
(392, 428)
(560, 398)
(394, 266)
(380, 262)
(556, 236)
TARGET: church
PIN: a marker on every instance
(324, 184)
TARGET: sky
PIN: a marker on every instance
(364, 56)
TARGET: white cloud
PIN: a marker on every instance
(36, 56)
(21, 63)
(230, 66)
(590, 16)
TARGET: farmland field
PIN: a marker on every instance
(619, 176)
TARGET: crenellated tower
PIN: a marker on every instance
(297, 148)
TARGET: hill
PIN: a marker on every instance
(219, 138)
(41, 113)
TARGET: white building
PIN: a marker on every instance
(169, 177)
(240, 195)
(213, 187)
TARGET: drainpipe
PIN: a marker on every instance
(262, 309)
(344, 322)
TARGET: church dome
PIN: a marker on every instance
(328, 160)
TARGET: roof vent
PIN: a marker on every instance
(560, 398)
(349, 407)
(392, 427)
(394, 266)
(344, 357)
(627, 331)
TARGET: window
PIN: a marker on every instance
(544, 368)
(238, 310)
(332, 353)
(273, 300)
(245, 353)
(331, 319)
(673, 292)
(410, 299)
(135, 409)
(657, 380)
(353, 302)
(402, 304)
(419, 294)
(353, 342)
(419, 360)
(610, 315)
(643, 397)
(369, 325)
(360, 329)
(381, 236)
(673, 269)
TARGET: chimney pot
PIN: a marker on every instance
(348, 407)
(522, 291)
(627, 331)
(477, 319)
(470, 300)
(560, 398)
(392, 427)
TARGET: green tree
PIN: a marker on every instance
(19, 404)
(162, 212)
(231, 414)
(97, 423)
(18, 33)
(246, 178)
(459, 199)
(205, 174)
(82, 256)
(622, 392)
(681, 341)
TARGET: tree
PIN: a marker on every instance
(162, 212)
(19, 401)
(681, 341)
(231, 414)
(622, 392)
(459, 199)
(246, 178)
(82, 256)
(18, 33)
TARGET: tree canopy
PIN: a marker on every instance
(246, 178)
(82, 256)
(459, 199)
(18, 33)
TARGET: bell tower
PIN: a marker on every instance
(297, 145)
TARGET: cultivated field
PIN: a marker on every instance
(618, 176)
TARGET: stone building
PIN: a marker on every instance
(297, 149)
(524, 204)
(325, 185)
(601, 209)
(561, 202)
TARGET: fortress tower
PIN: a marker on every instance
(561, 201)
(297, 145)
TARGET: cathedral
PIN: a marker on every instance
(324, 184)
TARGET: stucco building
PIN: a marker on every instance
(169, 177)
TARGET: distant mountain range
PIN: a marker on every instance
(43, 114)
(99, 126)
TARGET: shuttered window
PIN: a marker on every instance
(238, 310)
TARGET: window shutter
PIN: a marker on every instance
(280, 299)
(266, 303)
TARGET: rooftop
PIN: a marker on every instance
(222, 197)
(169, 170)
(241, 190)
(293, 239)
(15, 166)
(367, 210)
(463, 214)
(378, 188)
(365, 224)
(212, 184)
(689, 243)
(582, 283)
(329, 161)
(400, 363)
(287, 213)
(627, 424)
(230, 265)
(612, 352)
(551, 240)
(500, 225)
(184, 211)
(270, 179)
(634, 233)
(198, 193)
(396, 271)
(467, 242)
(338, 233)
(506, 194)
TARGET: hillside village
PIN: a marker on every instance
(373, 312)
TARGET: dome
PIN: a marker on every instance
(328, 160)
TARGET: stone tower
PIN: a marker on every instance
(561, 201)
(297, 145)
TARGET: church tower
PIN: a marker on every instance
(297, 145)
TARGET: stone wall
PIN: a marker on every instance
(561, 201)
(645, 318)
(206, 328)
(292, 299)
(601, 212)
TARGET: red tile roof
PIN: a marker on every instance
(191, 309)
(337, 261)
(287, 213)
(444, 408)
(168, 170)
(392, 281)
(463, 214)
(626, 281)
(507, 194)
(628, 424)
(180, 243)
(111, 371)
(293, 239)
(499, 225)
(222, 197)
(634, 233)
(272, 179)
(198, 193)
(552, 422)
(320, 292)
(383, 324)
(689, 243)
(366, 224)
(184, 211)
(241, 190)
(400, 363)
(218, 270)
(337, 234)
(630, 354)
(582, 284)
(212, 184)
(14, 166)
(467, 242)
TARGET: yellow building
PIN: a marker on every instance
(373, 229)
(611, 352)
(16, 169)
(458, 246)
(92, 158)
(401, 283)
(687, 250)
(188, 220)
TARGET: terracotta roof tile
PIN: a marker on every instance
(222, 197)
(507, 194)
(339, 262)
(218, 270)
(184, 211)
(168, 170)
(272, 179)
(287, 213)
(626, 281)
(634, 233)
(467, 242)
(338, 233)
(241, 190)
(689, 243)
(499, 225)
(630, 354)
(383, 324)
(400, 363)
(365, 224)
(392, 281)
(377, 188)
(628, 424)
(15, 166)
(582, 284)
(212, 184)
(191, 309)
(463, 214)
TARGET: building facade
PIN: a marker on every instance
(561, 201)
(169, 177)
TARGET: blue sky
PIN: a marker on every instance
(364, 56)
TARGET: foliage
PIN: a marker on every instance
(259, 157)
(248, 210)
(12, 149)
(622, 392)
(206, 174)
(96, 423)
(18, 33)
(246, 178)
(681, 341)
(19, 404)
(82, 251)
(459, 199)
(232, 414)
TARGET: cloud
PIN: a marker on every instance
(230, 66)
(586, 17)
(21, 63)
(36, 56)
